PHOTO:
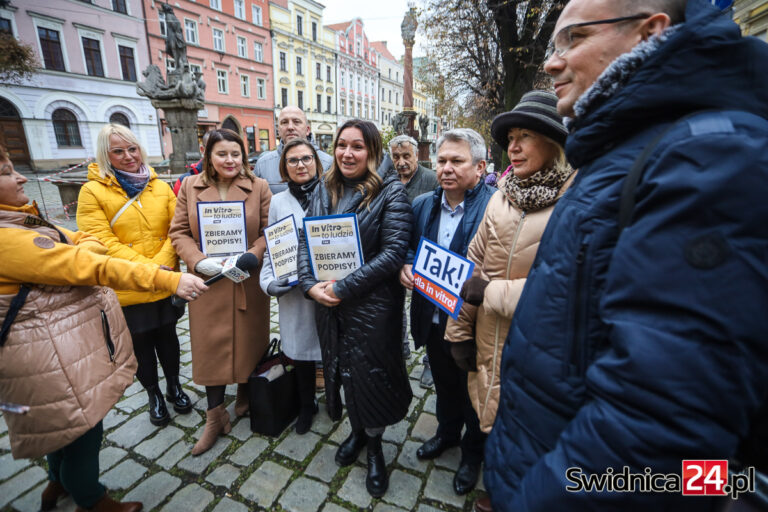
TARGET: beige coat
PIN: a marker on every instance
(229, 324)
(503, 251)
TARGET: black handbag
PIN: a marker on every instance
(273, 405)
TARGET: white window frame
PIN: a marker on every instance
(195, 35)
(258, 51)
(261, 89)
(299, 66)
(98, 35)
(282, 56)
(193, 68)
(128, 42)
(300, 24)
(245, 86)
(223, 48)
(256, 15)
(215, 4)
(170, 64)
(242, 47)
(6, 13)
(241, 14)
(51, 24)
(222, 78)
(318, 71)
(314, 28)
(163, 26)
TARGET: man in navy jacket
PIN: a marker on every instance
(644, 346)
(449, 216)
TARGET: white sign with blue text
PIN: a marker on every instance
(438, 274)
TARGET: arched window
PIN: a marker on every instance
(7, 109)
(118, 118)
(230, 124)
(66, 129)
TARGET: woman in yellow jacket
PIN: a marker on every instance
(65, 353)
(129, 210)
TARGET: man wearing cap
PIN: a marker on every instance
(291, 124)
(449, 216)
(639, 341)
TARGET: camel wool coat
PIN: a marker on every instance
(229, 324)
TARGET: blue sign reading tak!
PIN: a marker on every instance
(438, 275)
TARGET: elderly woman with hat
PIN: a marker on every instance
(505, 244)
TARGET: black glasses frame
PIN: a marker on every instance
(562, 51)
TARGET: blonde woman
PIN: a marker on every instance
(129, 209)
(359, 317)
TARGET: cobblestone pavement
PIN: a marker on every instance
(49, 201)
(245, 471)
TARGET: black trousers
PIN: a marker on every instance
(454, 409)
(149, 346)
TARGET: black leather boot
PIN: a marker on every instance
(158, 413)
(305, 378)
(377, 480)
(350, 448)
(176, 395)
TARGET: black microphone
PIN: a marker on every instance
(245, 262)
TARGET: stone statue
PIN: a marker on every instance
(175, 46)
(200, 86)
(155, 88)
(400, 124)
(408, 27)
(424, 127)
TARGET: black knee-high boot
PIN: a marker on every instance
(305, 377)
(377, 480)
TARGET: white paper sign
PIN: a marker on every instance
(334, 247)
(283, 246)
(222, 228)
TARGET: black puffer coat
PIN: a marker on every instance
(360, 338)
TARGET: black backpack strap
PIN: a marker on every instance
(627, 201)
(16, 304)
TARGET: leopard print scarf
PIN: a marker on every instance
(537, 191)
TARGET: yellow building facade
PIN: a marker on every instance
(304, 60)
(752, 16)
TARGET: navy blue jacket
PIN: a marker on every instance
(426, 217)
(649, 346)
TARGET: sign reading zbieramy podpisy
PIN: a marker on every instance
(333, 243)
(438, 275)
(222, 228)
(283, 246)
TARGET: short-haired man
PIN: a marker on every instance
(640, 338)
(195, 169)
(450, 216)
(291, 124)
(417, 179)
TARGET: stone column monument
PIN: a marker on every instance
(407, 117)
(180, 98)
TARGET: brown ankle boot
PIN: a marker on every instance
(51, 494)
(107, 504)
(216, 424)
(241, 401)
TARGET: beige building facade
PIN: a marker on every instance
(752, 16)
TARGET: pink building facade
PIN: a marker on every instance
(91, 54)
(229, 42)
(357, 69)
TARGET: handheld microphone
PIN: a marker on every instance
(236, 271)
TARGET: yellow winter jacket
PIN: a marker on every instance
(140, 234)
(29, 257)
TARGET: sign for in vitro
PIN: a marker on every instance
(438, 275)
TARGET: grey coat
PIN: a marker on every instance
(298, 331)
(268, 167)
(424, 180)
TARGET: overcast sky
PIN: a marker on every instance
(382, 19)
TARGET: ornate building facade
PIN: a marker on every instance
(90, 55)
(228, 41)
(390, 84)
(305, 70)
(357, 68)
(752, 16)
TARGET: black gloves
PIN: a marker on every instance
(279, 287)
(465, 354)
(473, 290)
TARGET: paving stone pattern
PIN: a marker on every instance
(245, 471)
